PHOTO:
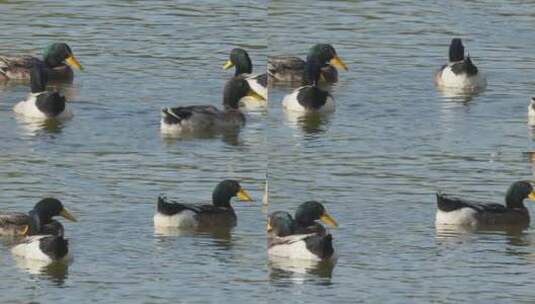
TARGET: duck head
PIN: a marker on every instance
(326, 54)
(517, 193)
(58, 53)
(240, 59)
(309, 212)
(48, 208)
(280, 223)
(226, 190)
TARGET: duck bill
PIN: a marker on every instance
(24, 231)
(228, 65)
(328, 220)
(255, 95)
(268, 227)
(73, 62)
(531, 196)
(67, 215)
(244, 196)
(338, 63)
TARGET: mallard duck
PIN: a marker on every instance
(41, 103)
(457, 211)
(292, 69)
(285, 240)
(460, 72)
(57, 60)
(37, 221)
(209, 118)
(310, 98)
(45, 248)
(198, 216)
(240, 59)
(307, 215)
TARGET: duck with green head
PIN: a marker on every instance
(289, 69)
(303, 238)
(307, 216)
(42, 104)
(218, 214)
(462, 212)
(38, 221)
(58, 61)
(207, 118)
(239, 58)
(311, 98)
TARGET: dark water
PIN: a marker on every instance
(376, 162)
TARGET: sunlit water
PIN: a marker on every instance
(375, 163)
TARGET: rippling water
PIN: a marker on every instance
(375, 163)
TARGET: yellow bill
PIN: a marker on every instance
(255, 95)
(531, 196)
(269, 228)
(338, 63)
(71, 61)
(67, 215)
(327, 219)
(228, 65)
(244, 196)
(24, 231)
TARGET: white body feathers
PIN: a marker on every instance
(446, 78)
(290, 103)
(255, 85)
(184, 219)
(461, 217)
(292, 247)
(29, 249)
(29, 109)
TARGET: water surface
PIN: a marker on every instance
(375, 163)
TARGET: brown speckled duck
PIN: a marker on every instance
(58, 59)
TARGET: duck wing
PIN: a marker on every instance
(17, 67)
(14, 223)
(449, 203)
(169, 207)
(284, 63)
(179, 114)
(15, 218)
(286, 68)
